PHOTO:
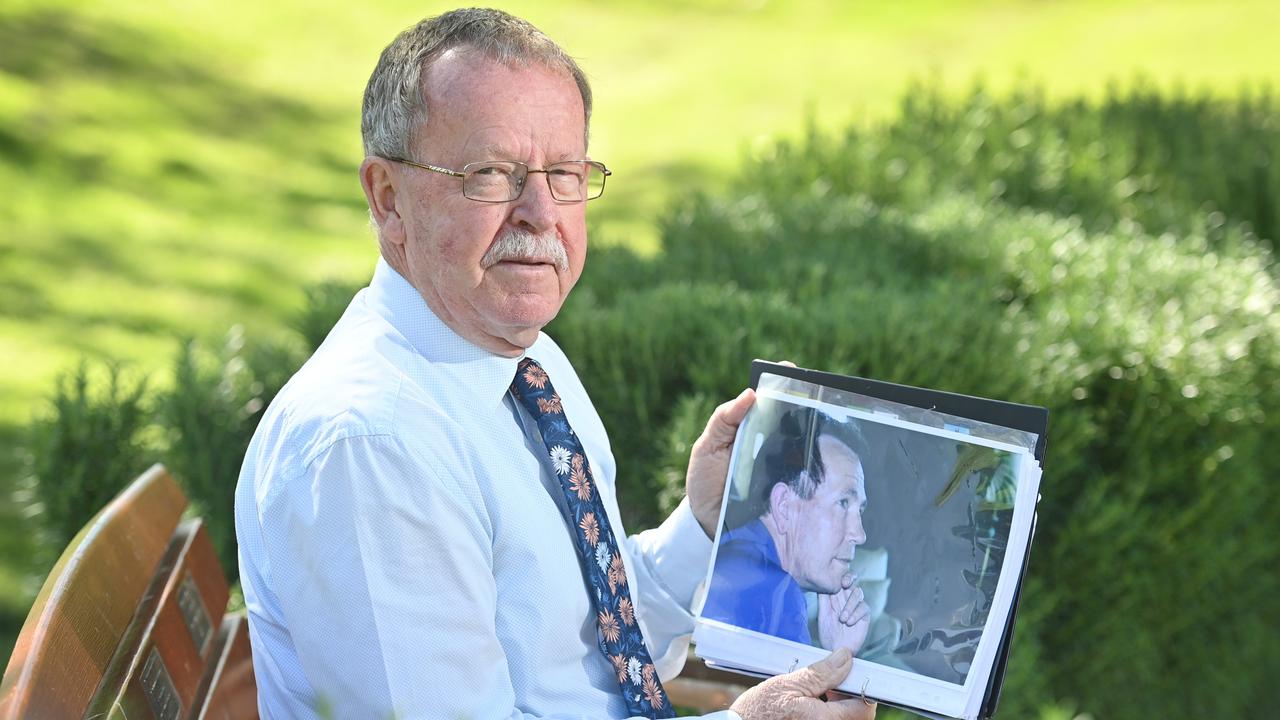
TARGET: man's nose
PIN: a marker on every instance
(855, 532)
(535, 210)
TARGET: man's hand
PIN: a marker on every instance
(796, 694)
(709, 461)
(843, 617)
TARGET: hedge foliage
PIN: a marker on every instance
(106, 425)
(218, 397)
(1112, 261)
(1170, 162)
(92, 440)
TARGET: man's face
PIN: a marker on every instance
(481, 110)
(825, 529)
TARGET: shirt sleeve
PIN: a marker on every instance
(383, 572)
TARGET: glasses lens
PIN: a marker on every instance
(567, 179)
(493, 181)
(595, 181)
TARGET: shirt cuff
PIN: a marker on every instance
(680, 553)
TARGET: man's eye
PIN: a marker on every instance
(492, 170)
(568, 168)
(844, 503)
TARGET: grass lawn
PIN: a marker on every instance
(172, 168)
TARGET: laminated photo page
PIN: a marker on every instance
(891, 520)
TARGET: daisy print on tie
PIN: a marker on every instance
(605, 573)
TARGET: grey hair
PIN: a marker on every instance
(394, 101)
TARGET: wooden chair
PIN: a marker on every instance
(130, 622)
(705, 689)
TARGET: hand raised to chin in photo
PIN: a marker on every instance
(844, 617)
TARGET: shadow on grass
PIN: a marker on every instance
(159, 89)
(48, 45)
(123, 111)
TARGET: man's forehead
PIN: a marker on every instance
(492, 147)
(491, 110)
(843, 467)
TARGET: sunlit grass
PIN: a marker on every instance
(175, 168)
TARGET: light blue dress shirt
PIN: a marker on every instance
(401, 549)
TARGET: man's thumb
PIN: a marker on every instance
(722, 427)
(826, 673)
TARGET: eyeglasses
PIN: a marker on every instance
(500, 181)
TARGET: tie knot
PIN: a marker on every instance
(530, 377)
(535, 392)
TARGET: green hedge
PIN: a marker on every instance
(1171, 163)
(105, 426)
(1126, 287)
(89, 443)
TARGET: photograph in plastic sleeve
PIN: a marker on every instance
(843, 528)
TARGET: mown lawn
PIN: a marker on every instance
(170, 169)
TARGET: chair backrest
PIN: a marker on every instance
(130, 621)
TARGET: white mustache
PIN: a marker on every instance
(524, 245)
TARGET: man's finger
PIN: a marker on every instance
(849, 602)
(860, 612)
(825, 674)
(855, 601)
(854, 709)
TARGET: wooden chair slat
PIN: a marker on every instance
(706, 689)
(705, 696)
(166, 655)
(88, 601)
(234, 693)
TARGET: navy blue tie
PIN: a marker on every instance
(617, 631)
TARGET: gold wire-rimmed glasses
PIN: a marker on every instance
(500, 181)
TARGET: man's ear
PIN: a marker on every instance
(379, 183)
(782, 506)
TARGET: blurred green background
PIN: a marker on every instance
(172, 169)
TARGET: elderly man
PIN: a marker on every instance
(426, 514)
(808, 491)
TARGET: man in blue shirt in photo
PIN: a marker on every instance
(807, 494)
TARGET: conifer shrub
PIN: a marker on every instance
(326, 301)
(92, 441)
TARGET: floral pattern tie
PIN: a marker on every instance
(617, 631)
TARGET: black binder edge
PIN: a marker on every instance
(1029, 418)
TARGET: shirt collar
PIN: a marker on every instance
(488, 374)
